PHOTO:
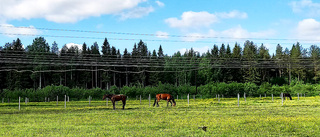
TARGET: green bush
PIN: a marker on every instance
(206, 91)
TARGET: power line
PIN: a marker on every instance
(148, 34)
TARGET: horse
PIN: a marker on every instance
(167, 97)
(115, 98)
(284, 95)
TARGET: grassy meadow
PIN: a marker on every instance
(254, 117)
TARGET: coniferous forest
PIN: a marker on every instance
(246, 67)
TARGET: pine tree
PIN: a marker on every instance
(106, 50)
(160, 52)
(54, 48)
(250, 53)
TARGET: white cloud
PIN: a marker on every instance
(160, 4)
(10, 30)
(79, 46)
(306, 7)
(136, 12)
(201, 50)
(308, 29)
(240, 33)
(233, 14)
(64, 11)
(228, 35)
(161, 34)
(192, 19)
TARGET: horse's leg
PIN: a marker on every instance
(158, 102)
(155, 100)
(114, 104)
(123, 103)
(170, 102)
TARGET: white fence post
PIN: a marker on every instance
(107, 101)
(194, 97)
(282, 98)
(19, 103)
(238, 99)
(68, 99)
(89, 100)
(244, 96)
(65, 101)
(140, 99)
(149, 100)
(188, 99)
(177, 97)
(218, 98)
(272, 97)
(26, 100)
(57, 99)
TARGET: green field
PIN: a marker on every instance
(255, 117)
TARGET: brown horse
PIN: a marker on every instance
(115, 98)
(286, 95)
(167, 97)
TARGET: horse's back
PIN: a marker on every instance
(120, 97)
(164, 96)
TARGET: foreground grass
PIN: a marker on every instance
(255, 117)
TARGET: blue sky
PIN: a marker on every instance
(176, 25)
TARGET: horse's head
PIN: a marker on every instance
(106, 96)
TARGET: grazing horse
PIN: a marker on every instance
(115, 98)
(286, 95)
(167, 97)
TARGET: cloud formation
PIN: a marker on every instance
(161, 34)
(191, 19)
(69, 11)
(308, 29)
(10, 30)
(306, 7)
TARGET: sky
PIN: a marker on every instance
(176, 25)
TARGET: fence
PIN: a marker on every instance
(218, 99)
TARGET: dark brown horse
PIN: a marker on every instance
(286, 95)
(115, 98)
(167, 97)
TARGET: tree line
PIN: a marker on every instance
(39, 65)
